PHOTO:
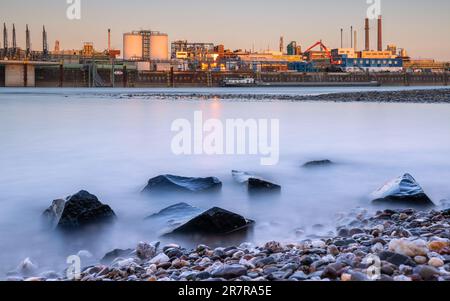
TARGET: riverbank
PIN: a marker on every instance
(392, 245)
(403, 96)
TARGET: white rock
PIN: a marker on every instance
(151, 269)
(159, 259)
(246, 263)
(377, 248)
(420, 259)
(329, 259)
(407, 247)
(318, 244)
(146, 250)
(246, 246)
(436, 262)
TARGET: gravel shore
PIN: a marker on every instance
(392, 245)
(407, 96)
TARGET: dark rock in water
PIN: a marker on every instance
(170, 183)
(79, 210)
(214, 221)
(177, 211)
(254, 183)
(402, 190)
(111, 256)
(318, 163)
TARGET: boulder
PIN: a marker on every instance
(317, 163)
(402, 190)
(116, 253)
(177, 211)
(214, 221)
(254, 183)
(171, 183)
(77, 211)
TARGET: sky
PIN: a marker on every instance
(421, 27)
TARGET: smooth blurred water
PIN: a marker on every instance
(54, 143)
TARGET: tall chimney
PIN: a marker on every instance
(380, 33)
(351, 36)
(367, 29)
(342, 38)
(109, 40)
(282, 45)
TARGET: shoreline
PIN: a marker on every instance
(426, 96)
(391, 245)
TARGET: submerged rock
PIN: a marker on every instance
(79, 210)
(317, 163)
(116, 253)
(171, 183)
(214, 221)
(241, 177)
(402, 190)
(26, 269)
(174, 213)
(254, 183)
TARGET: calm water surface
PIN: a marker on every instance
(54, 143)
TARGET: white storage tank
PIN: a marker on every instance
(159, 46)
(132, 46)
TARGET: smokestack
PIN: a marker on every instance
(109, 40)
(342, 38)
(380, 33)
(44, 41)
(367, 29)
(28, 41)
(356, 41)
(282, 44)
(5, 37)
(14, 39)
(351, 36)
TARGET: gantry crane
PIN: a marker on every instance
(326, 50)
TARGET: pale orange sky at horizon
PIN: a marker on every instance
(421, 27)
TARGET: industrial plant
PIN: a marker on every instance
(149, 58)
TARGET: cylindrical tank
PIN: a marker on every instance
(132, 46)
(159, 46)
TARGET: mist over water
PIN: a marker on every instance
(53, 144)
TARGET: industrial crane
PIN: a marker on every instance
(327, 51)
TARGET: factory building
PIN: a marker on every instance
(194, 51)
(294, 49)
(145, 45)
(372, 65)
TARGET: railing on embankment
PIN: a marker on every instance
(79, 77)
